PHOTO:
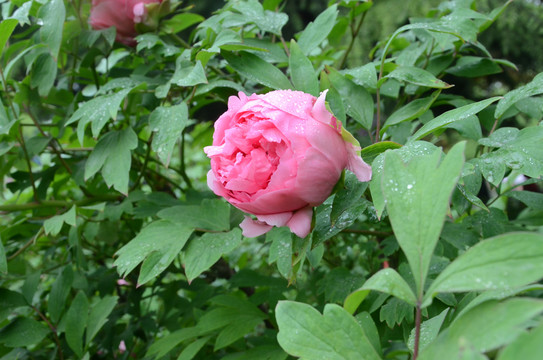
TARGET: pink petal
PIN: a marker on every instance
(252, 228)
(278, 220)
(300, 223)
(356, 164)
(320, 112)
(296, 103)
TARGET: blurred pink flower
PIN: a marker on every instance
(123, 14)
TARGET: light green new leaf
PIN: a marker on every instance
(97, 112)
(417, 76)
(356, 99)
(316, 32)
(452, 116)
(499, 263)
(417, 198)
(98, 316)
(334, 335)
(159, 241)
(22, 331)
(387, 281)
(211, 214)
(485, 328)
(535, 87)
(53, 14)
(76, 321)
(302, 72)
(54, 225)
(429, 330)
(528, 346)
(168, 124)
(411, 111)
(205, 251)
(112, 154)
(257, 69)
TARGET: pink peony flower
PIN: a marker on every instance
(276, 156)
(123, 14)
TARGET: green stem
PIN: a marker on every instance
(354, 34)
(417, 330)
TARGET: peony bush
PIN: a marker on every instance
(252, 179)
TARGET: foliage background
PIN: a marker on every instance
(112, 246)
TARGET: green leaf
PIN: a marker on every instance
(429, 330)
(3, 258)
(258, 70)
(180, 22)
(187, 73)
(531, 199)
(417, 197)
(168, 124)
(5, 122)
(54, 225)
(22, 332)
(528, 346)
(212, 214)
(97, 111)
(158, 244)
(520, 151)
(500, 263)
(356, 99)
(369, 153)
(305, 333)
(316, 32)
(192, 349)
(43, 74)
(395, 312)
(59, 292)
(452, 116)
(281, 250)
(411, 111)
(52, 14)
(9, 301)
(165, 344)
(473, 66)
(203, 252)
(387, 281)
(535, 87)
(6, 29)
(266, 20)
(485, 328)
(98, 316)
(76, 321)
(302, 72)
(407, 152)
(417, 76)
(112, 154)
(236, 317)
